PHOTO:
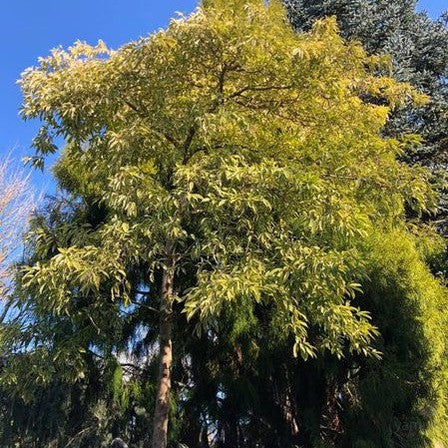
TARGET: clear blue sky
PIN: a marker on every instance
(30, 28)
(434, 7)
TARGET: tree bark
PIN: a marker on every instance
(160, 423)
(332, 421)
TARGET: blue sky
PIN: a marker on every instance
(434, 7)
(30, 28)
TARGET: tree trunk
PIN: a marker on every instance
(332, 421)
(160, 423)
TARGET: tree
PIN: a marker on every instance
(416, 44)
(16, 203)
(224, 166)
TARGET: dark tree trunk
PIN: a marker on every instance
(160, 423)
(332, 420)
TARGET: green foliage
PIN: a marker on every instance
(411, 377)
(416, 44)
(256, 156)
(214, 152)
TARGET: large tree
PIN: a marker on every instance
(226, 166)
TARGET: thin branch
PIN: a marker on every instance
(122, 364)
(143, 115)
(187, 143)
(143, 305)
(257, 89)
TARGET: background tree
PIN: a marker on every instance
(226, 183)
(16, 203)
(417, 45)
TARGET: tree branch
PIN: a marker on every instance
(143, 115)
